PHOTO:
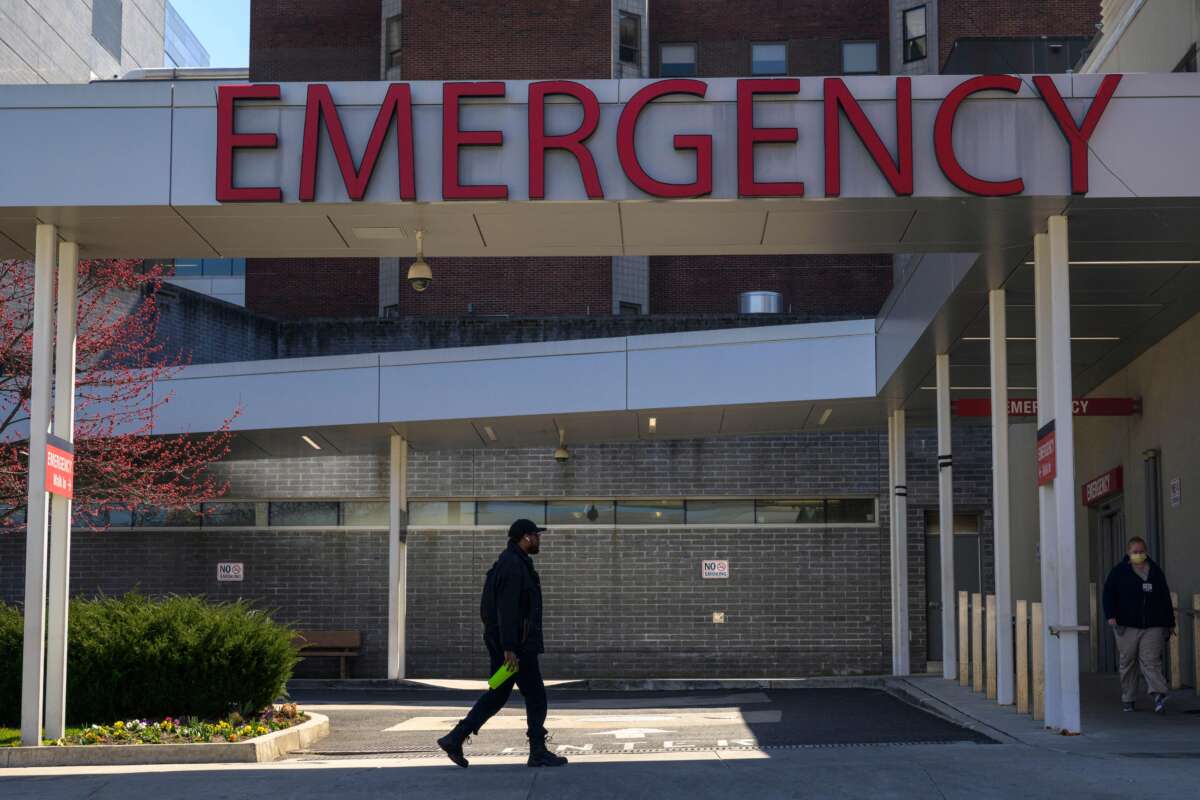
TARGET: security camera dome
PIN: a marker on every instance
(420, 276)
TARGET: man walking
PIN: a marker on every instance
(511, 610)
(1137, 603)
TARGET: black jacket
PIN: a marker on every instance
(1126, 599)
(517, 625)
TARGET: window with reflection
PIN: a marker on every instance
(230, 515)
(650, 512)
(441, 512)
(166, 518)
(365, 514)
(720, 512)
(304, 513)
(790, 512)
(506, 512)
(580, 512)
(850, 511)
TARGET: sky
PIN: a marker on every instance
(222, 26)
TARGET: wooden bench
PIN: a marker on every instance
(334, 644)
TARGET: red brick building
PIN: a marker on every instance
(303, 40)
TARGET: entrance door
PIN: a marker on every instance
(1109, 539)
(967, 571)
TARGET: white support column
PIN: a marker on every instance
(60, 507)
(891, 504)
(1064, 495)
(900, 634)
(397, 555)
(1047, 522)
(946, 517)
(1001, 533)
(33, 658)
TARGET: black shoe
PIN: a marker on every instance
(453, 747)
(1127, 706)
(1160, 703)
(541, 757)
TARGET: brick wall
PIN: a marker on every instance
(314, 40)
(628, 602)
(999, 18)
(723, 32)
(809, 284)
(515, 286)
(298, 287)
(506, 39)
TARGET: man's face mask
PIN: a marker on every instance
(1137, 558)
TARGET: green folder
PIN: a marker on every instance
(502, 674)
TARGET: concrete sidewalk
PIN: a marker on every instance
(1106, 729)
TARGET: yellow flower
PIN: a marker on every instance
(261, 731)
(119, 725)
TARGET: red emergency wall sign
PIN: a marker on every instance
(60, 467)
(1104, 486)
(1028, 407)
(1047, 463)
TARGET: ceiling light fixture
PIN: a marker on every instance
(491, 434)
(311, 443)
(825, 417)
(420, 276)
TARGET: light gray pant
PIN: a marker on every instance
(1141, 647)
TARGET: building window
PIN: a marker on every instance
(650, 512)
(566, 513)
(505, 512)
(790, 512)
(720, 512)
(677, 61)
(631, 38)
(365, 514)
(392, 41)
(860, 58)
(1188, 62)
(305, 513)
(631, 309)
(106, 26)
(230, 515)
(915, 42)
(441, 512)
(768, 58)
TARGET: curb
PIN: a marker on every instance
(618, 684)
(271, 747)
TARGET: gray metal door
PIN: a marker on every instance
(967, 572)
(1110, 549)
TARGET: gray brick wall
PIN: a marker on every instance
(620, 601)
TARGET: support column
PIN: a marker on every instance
(33, 658)
(1064, 495)
(1001, 532)
(60, 507)
(899, 548)
(397, 555)
(1047, 522)
(946, 517)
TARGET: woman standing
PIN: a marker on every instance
(1137, 603)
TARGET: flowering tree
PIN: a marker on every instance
(118, 466)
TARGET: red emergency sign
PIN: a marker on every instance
(1104, 486)
(1028, 407)
(60, 467)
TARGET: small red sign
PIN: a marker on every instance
(60, 467)
(1103, 487)
(1028, 407)
(1047, 462)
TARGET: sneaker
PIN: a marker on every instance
(453, 749)
(541, 757)
(1160, 703)
(1127, 706)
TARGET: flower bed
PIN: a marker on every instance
(188, 730)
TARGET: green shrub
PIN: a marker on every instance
(132, 657)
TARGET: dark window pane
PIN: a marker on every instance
(441, 512)
(506, 512)
(365, 514)
(850, 511)
(166, 518)
(791, 512)
(579, 512)
(768, 58)
(304, 513)
(860, 58)
(229, 515)
(914, 49)
(720, 512)
(238, 267)
(218, 267)
(650, 512)
(631, 38)
(119, 517)
(914, 34)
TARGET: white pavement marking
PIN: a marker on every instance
(514, 722)
(630, 733)
(650, 704)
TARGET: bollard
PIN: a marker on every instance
(1173, 648)
(1022, 657)
(991, 634)
(977, 642)
(964, 640)
(1037, 649)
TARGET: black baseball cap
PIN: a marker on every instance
(523, 527)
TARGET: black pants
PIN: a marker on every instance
(528, 678)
